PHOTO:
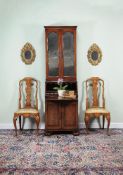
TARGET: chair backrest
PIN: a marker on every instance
(95, 92)
(28, 89)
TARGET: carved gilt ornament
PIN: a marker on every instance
(28, 54)
(94, 54)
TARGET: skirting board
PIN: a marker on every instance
(42, 126)
(95, 125)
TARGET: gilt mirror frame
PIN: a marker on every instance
(28, 54)
(94, 54)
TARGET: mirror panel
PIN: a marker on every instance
(94, 54)
(28, 54)
(68, 53)
(53, 54)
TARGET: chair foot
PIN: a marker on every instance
(15, 134)
(37, 132)
(108, 133)
(87, 132)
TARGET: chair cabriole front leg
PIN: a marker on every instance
(108, 120)
(87, 121)
(14, 122)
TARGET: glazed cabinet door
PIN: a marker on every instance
(69, 115)
(52, 54)
(60, 44)
(53, 115)
(69, 54)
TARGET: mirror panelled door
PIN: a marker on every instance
(94, 54)
(53, 54)
(68, 53)
(60, 53)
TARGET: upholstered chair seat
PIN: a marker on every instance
(27, 110)
(97, 110)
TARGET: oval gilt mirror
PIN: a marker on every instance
(28, 54)
(94, 54)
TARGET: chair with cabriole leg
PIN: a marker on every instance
(28, 101)
(95, 102)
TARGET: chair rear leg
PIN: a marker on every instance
(98, 119)
(23, 123)
(20, 122)
(103, 121)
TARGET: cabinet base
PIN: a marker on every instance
(50, 132)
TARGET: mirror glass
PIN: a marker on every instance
(27, 54)
(68, 53)
(94, 55)
(53, 54)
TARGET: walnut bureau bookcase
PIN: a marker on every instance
(61, 113)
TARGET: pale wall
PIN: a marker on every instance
(98, 21)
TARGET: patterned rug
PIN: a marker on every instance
(61, 154)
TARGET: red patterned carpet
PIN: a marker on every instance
(62, 154)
